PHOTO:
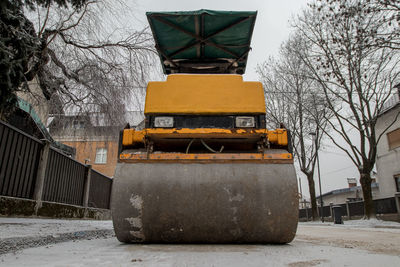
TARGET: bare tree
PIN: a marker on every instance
(389, 10)
(293, 99)
(98, 66)
(85, 55)
(355, 73)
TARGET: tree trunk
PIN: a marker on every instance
(311, 186)
(369, 208)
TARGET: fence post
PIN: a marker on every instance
(348, 210)
(87, 186)
(306, 208)
(41, 173)
(397, 200)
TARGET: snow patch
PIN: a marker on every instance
(137, 234)
(136, 222)
(136, 201)
(237, 197)
(373, 224)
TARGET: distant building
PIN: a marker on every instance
(352, 182)
(388, 150)
(352, 193)
(94, 137)
(31, 113)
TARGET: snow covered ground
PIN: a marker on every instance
(356, 243)
(372, 223)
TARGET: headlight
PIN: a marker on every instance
(245, 122)
(164, 122)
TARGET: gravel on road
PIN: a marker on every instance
(21, 233)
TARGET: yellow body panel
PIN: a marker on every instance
(204, 94)
(131, 137)
(215, 157)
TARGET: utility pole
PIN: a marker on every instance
(301, 193)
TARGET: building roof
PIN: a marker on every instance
(347, 190)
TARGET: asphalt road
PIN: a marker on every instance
(314, 245)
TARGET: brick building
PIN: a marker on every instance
(94, 139)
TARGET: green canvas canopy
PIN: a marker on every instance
(203, 41)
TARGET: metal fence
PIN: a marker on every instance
(344, 209)
(356, 208)
(100, 190)
(327, 211)
(385, 205)
(305, 213)
(19, 157)
(64, 178)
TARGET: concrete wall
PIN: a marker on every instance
(12, 206)
(387, 161)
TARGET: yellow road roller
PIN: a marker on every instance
(203, 168)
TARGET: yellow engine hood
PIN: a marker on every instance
(204, 94)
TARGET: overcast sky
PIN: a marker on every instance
(271, 29)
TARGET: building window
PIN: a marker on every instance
(101, 156)
(394, 139)
(397, 180)
(78, 124)
(74, 124)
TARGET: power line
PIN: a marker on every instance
(336, 153)
(338, 170)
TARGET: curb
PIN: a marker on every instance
(352, 225)
(388, 227)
